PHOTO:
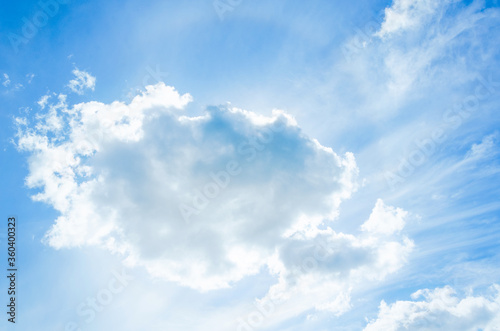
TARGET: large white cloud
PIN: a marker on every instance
(441, 309)
(207, 200)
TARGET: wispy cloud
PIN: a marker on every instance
(405, 15)
(6, 80)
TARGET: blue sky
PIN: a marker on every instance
(252, 165)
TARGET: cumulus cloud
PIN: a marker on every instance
(322, 268)
(440, 309)
(385, 219)
(82, 81)
(207, 200)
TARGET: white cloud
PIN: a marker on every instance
(83, 80)
(43, 101)
(205, 201)
(486, 148)
(440, 309)
(322, 268)
(385, 219)
(406, 15)
(409, 64)
(6, 81)
(394, 67)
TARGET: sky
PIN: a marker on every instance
(251, 165)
